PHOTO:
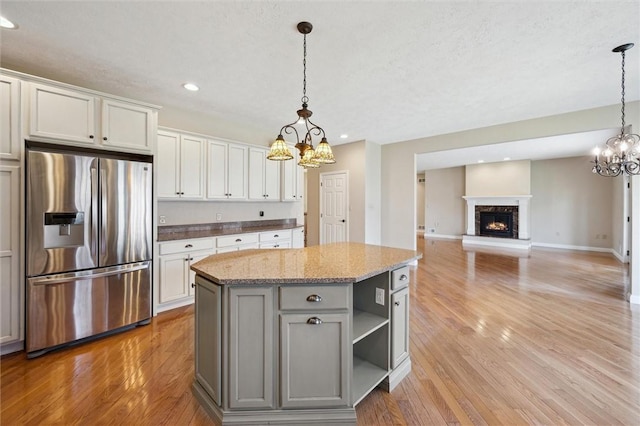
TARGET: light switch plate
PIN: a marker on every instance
(380, 296)
(218, 216)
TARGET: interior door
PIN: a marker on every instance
(334, 201)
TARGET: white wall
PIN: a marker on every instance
(570, 206)
(398, 159)
(495, 179)
(373, 193)
(444, 206)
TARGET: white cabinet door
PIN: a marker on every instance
(191, 275)
(272, 179)
(192, 151)
(297, 240)
(173, 280)
(127, 126)
(168, 165)
(217, 170)
(256, 174)
(61, 114)
(314, 360)
(10, 314)
(399, 327)
(237, 171)
(289, 180)
(9, 118)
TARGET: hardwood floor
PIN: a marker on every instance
(495, 339)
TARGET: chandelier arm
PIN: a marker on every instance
(289, 129)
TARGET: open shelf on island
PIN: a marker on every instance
(365, 323)
(366, 376)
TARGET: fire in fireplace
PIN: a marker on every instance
(496, 224)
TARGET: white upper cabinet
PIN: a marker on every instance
(61, 114)
(292, 179)
(70, 115)
(227, 171)
(264, 176)
(180, 166)
(127, 126)
(9, 118)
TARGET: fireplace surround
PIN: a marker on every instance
(506, 216)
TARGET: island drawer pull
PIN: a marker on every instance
(403, 277)
(314, 298)
(314, 321)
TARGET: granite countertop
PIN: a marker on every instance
(183, 232)
(327, 263)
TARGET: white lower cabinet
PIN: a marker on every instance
(237, 242)
(177, 280)
(275, 239)
(10, 300)
(297, 237)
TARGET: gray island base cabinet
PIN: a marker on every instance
(294, 347)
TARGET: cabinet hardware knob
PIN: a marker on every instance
(396, 303)
(314, 321)
(188, 246)
(90, 136)
(186, 259)
(177, 193)
(276, 246)
(403, 277)
(193, 285)
(343, 221)
(104, 138)
(229, 194)
(238, 240)
(314, 298)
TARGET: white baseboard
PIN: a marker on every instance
(175, 304)
(634, 299)
(571, 247)
(443, 236)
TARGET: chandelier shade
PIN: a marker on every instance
(621, 153)
(309, 157)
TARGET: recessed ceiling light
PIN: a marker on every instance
(480, 161)
(5, 23)
(507, 158)
(190, 86)
(344, 136)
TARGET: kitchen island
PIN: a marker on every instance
(297, 336)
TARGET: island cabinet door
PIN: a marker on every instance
(315, 352)
(399, 327)
(251, 347)
(208, 337)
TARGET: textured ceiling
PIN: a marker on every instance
(381, 71)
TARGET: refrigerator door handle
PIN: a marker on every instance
(83, 275)
(103, 216)
(93, 242)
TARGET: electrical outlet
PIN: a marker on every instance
(218, 216)
(380, 296)
(261, 213)
(163, 219)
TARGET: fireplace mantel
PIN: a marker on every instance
(522, 201)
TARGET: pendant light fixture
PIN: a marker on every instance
(309, 157)
(621, 153)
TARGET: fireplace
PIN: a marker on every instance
(497, 221)
(494, 224)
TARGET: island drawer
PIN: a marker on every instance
(237, 239)
(184, 246)
(400, 278)
(272, 236)
(314, 297)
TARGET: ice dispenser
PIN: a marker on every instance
(63, 229)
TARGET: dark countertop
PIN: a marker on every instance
(183, 232)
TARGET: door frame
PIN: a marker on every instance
(346, 203)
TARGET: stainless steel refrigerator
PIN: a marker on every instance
(88, 245)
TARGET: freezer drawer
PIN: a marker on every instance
(62, 308)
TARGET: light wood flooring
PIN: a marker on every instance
(495, 339)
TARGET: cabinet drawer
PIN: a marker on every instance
(183, 246)
(237, 240)
(314, 297)
(400, 278)
(275, 235)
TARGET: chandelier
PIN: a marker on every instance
(621, 153)
(309, 157)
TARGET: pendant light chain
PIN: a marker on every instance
(623, 91)
(305, 99)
